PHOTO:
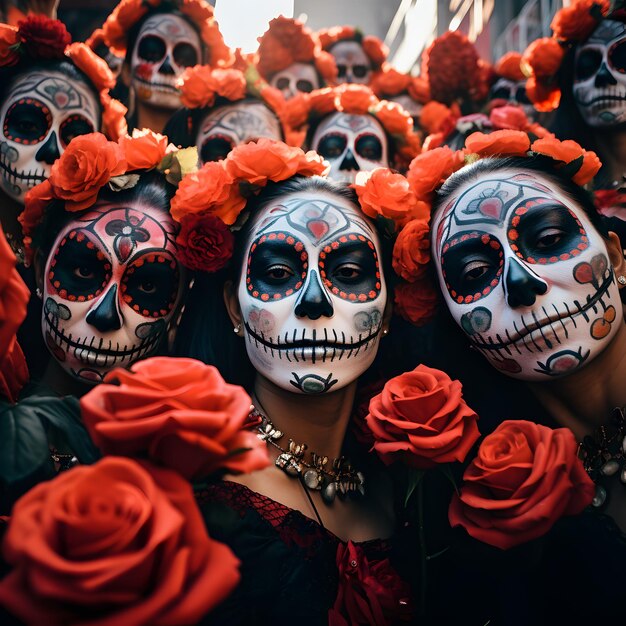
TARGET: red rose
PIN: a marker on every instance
(204, 243)
(416, 302)
(43, 38)
(524, 478)
(110, 544)
(13, 373)
(411, 251)
(421, 419)
(9, 41)
(368, 593)
(177, 412)
(508, 117)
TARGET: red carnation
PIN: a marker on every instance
(204, 243)
(43, 38)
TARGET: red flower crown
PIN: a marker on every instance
(201, 85)
(389, 82)
(128, 12)
(375, 50)
(289, 41)
(542, 59)
(509, 67)
(40, 38)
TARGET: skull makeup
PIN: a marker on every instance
(166, 45)
(298, 77)
(312, 293)
(352, 63)
(41, 115)
(505, 92)
(600, 76)
(351, 143)
(526, 275)
(112, 285)
(228, 126)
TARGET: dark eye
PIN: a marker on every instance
(501, 93)
(84, 272)
(305, 86)
(282, 83)
(549, 237)
(520, 95)
(27, 121)
(151, 48)
(348, 272)
(588, 63)
(74, 126)
(341, 70)
(331, 146)
(215, 148)
(147, 287)
(475, 270)
(185, 55)
(279, 273)
(369, 147)
(617, 56)
(360, 71)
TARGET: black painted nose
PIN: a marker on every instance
(604, 78)
(522, 287)
(349, 162)
(49, 152)
(166, 67)
(314, 301)
(105, 316)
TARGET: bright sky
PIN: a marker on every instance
(242, 21)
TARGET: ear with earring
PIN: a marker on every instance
(621, 280)
(38, 293)
(237, 329)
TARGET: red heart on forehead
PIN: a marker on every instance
(318, 228)
(61, 99)
(491, 207)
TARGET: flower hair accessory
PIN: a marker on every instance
(542, 59)
(389, 82)
(38, 38)
(375, 50)
(129, 12)
(289, 41)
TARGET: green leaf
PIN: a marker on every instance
(414, 478)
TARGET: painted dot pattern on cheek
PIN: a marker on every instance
(366, 296)
(276, 294)
(488, 241)
(11, 111)
(578, 245)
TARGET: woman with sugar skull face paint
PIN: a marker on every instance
(306, 294)
(158, 40)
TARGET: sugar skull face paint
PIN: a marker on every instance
(297, 78)
(353, 66)
(42, 114)
(312, 293)
(112, 284)
(166, 45)
(228, 126)
(600, 76)
(505, 92)
(525, 275)
(351, 143)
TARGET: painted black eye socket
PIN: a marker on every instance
(342, 70)
(369, 147)
(282, 83)
(74, 126)
(360, 71)
(151, 288)
(305, 86)
(27, 121)
(521, 96)
(151, 48)
(79, 271)
(587, 63)
(215, 149)
(617, 56)
(185, 55)
(501, 93)
(332, 145)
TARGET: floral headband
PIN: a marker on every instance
(389, 82)
(39, 38)
(375, 50)
(129, 12)
(542, 59)
(201, 85)
(289, 41)
(408, 200)
(303, 109)
(508, 66)
(91, 162)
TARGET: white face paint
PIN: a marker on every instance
(600, 76)
(166, 45)
(312, 293)
(526, 275)
(228, 126)
(353, 64)
(41, 115)
(298, 77)
(505, 92)
(351, 143)
(112, 285)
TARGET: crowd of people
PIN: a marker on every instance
(292, 337)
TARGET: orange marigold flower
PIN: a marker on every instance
(88, 163)
(430, 169)
(436, 117)
(393, 117)
(544, 96)
(330, 36)
(509, 117)
(416, 302)
(390, 82)
(436, 140)
(543, 58)
(509, 66)
(411, 251)
(578, 20)
(322, 101)
(210, 190)
(296, 110)
(124, 16)
(355, 99)
(498, 143)
(383, 193)
(419, 89)
(197, 87)
(91, 64)
(219, 53)
(376, 51)
(35, 203)
(8, 41)
(144, 149)
(326, 65)
(568, 151)
(114, 112)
